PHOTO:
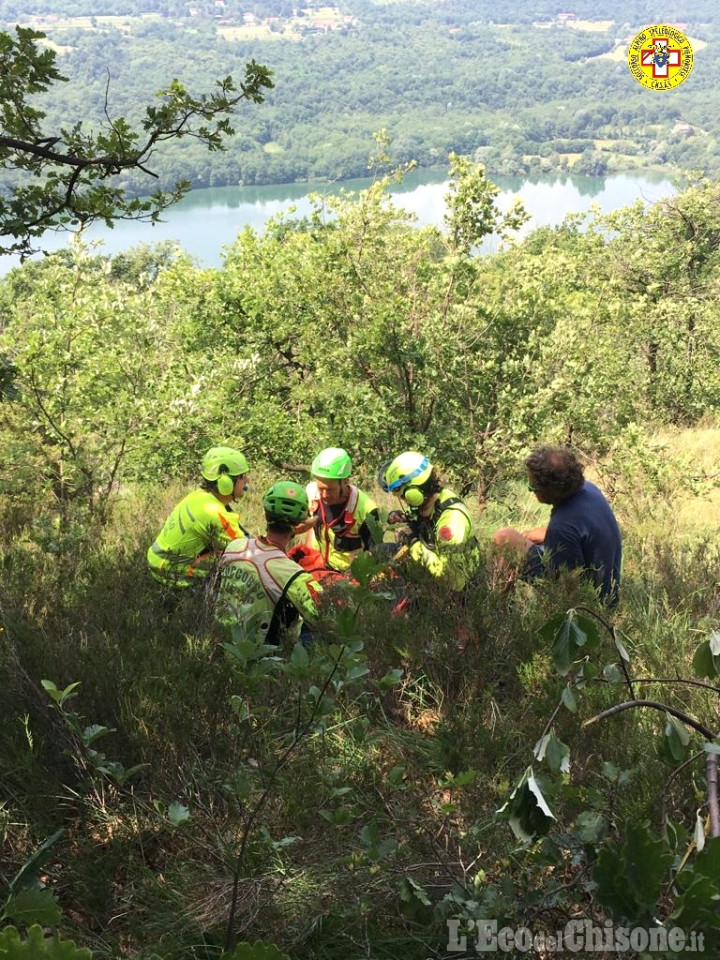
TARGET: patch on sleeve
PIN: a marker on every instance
(445, 533)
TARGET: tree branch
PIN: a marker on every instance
(39, 149)
(653, 705)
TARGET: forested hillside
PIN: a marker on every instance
(517, 88)
(524, 756)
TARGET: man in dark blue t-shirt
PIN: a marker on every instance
(582, 533)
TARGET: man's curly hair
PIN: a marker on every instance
(556, 469)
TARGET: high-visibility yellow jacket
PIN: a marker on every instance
(195, 533)
(263, 591)
(341, 532)
(445, 542)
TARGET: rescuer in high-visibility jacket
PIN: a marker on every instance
(203, 523)
(262, 590)
(339, 511)
(439, 529)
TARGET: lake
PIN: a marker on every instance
(208, 220)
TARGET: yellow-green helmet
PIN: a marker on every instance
(223, 460)
(286, 501)
(404, 475)
(333, 463)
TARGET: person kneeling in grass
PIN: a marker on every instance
(439, 533)
(261, 589)
(339, 526)
(202, 524)
(582, 533)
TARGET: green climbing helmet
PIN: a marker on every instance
(333, 463)
(286, 501)
(223, 460)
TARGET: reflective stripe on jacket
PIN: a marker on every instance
(196, 531)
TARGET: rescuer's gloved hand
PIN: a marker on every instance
(404, 536)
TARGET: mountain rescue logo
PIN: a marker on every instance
(660, 57)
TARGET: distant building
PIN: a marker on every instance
(683, 129)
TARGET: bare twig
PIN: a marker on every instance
(690, 683)
(653, 705)
(673, 776)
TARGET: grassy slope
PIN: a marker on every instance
(130, 882)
